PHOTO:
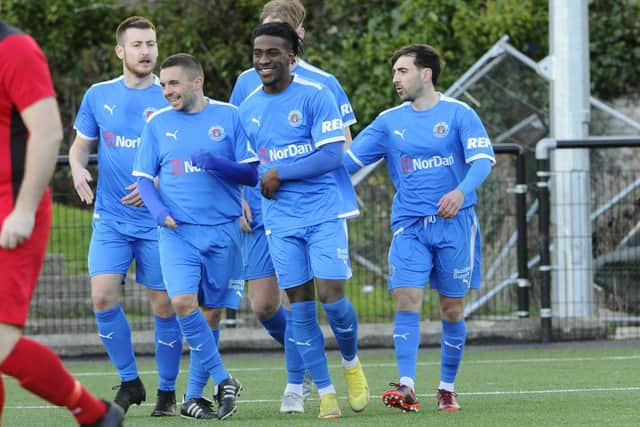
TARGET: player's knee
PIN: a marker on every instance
(330, 291)
(213, 316)
(264, 308)
(104, 300)
(453, 312)
(184, 304)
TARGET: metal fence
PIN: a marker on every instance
(511, 278)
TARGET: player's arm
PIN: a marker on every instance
(327, 158)
(368, 147)
(158, 210)
(42, 120)
(450, 203)
(78, 160)
(238, 173)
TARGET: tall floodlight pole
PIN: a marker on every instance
(572, 275)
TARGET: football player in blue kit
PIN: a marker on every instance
(111, 116)
(438, 153)
(258, 267)
(296, 128)
(199, 152)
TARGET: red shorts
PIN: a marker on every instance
(20, 268)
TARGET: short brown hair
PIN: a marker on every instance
(290, 11)
(133, 22)
(425, 56)
(188, 63)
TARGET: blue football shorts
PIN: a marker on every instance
(444, 252)
(320, 250)
(204, 260)
(256, 259)
(115, 244)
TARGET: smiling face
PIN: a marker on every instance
(408, 79)
(181, 90)
(272, 57)
(138, 51)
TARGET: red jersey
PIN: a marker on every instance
(24, 80)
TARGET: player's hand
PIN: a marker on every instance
(449, 204)
(133, 198)
(247, 217)
(17, 228)
(169, 222)
(205, 160)
(81, 179)
(270, 183)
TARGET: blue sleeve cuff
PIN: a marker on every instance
(152, 201)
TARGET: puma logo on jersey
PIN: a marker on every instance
(255, 120)
(400, 134)
(110, 108)
(109, 336)
(198, 348)
(168, 344)
(173, 135)
(403, 336)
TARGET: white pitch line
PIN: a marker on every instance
(392, 364)
(470, 393)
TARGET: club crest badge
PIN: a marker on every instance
(440, 130)
(295, 118)
(216, 133)
(148, 112)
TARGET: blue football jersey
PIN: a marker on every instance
(193, 195)
(287, 127)
(428, 153)
(249, 81)
(114, 115)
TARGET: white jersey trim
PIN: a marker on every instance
(304, 64)
(106, 82)
(481, 156)
(160, 111)
(305, 82)
(143, 175)
(329, 141)
(453, 100)
(355, 159)
(250, 160)
(82, 135)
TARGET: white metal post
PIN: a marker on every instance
(572, 283)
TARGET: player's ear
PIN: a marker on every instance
(426, 74)
(301, 32)
(199, 82)
(119, 51)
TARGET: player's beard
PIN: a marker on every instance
(138, 74)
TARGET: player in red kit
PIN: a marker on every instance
(30, 135)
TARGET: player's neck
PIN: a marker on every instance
(199, 105)
(138, 82)
(426, 101)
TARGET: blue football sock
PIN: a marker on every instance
(295, 364)
(344, 324)
(202, 345)
(406, 340)
(115, 332)
(310, 341)
(275, 325)
(198, 377)
(454, 335)
(168, 351)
